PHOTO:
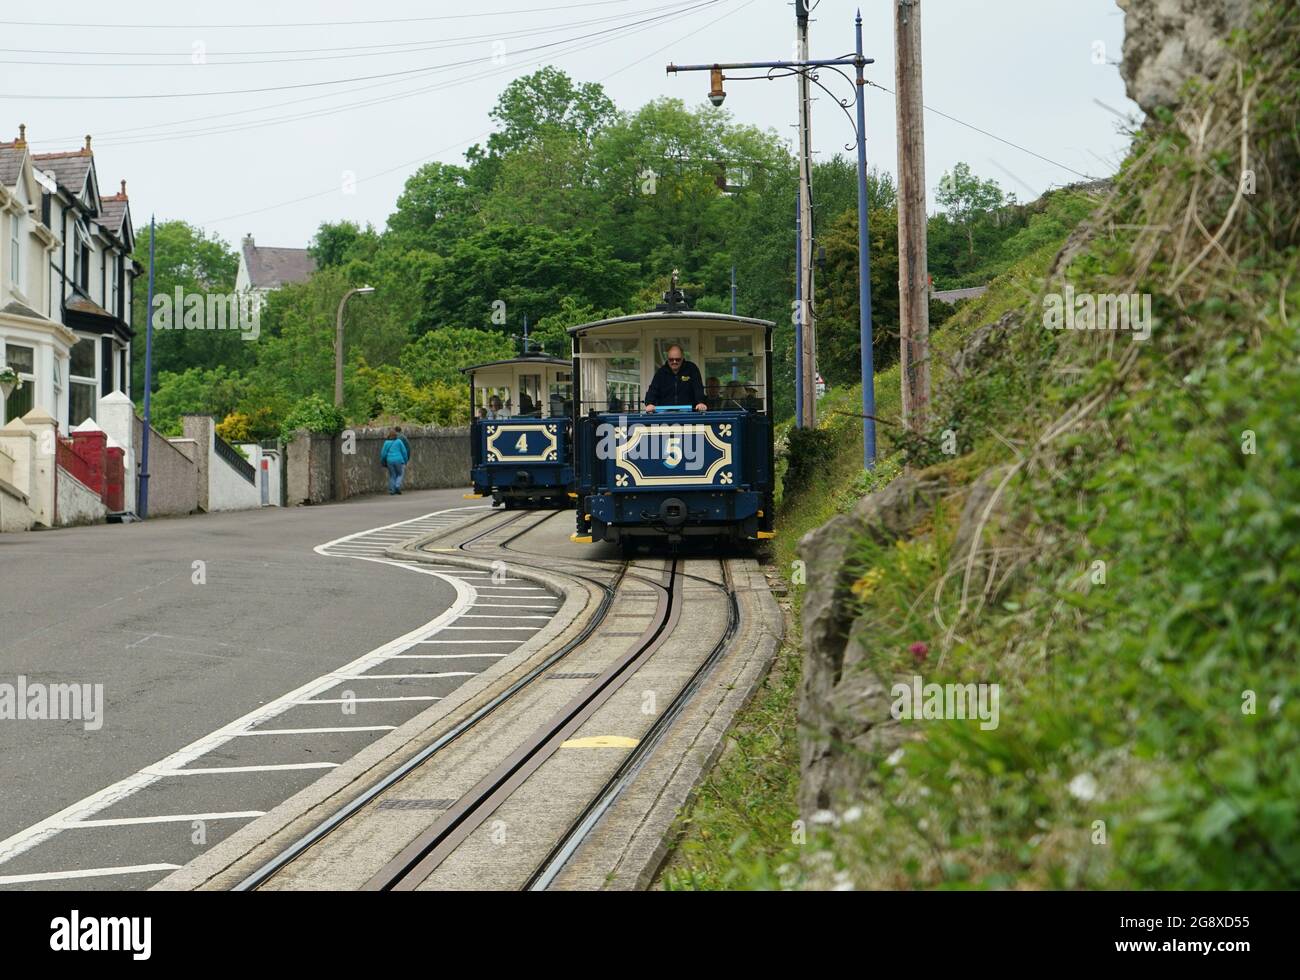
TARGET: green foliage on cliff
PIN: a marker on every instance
(1136, 555)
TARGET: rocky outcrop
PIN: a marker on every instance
(1166, 42)
(844, 709)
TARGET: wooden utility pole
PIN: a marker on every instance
(809, 418)
(913, 275)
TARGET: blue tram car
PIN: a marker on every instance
(673, 472)
(521, 430)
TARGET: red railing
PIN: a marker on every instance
(82, 456)
(88, 457)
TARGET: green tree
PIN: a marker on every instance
(338, 242)
(966, 198)
(188, 257)
(216, 391)
(528, 270)
(437, 207)
(439, 355)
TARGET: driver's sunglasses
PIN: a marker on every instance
(674, 360)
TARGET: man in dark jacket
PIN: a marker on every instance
(676, 383)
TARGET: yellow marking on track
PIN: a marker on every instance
(764, 535)
(580, 538)
(600, 742)
(471, 496)
(573, 496)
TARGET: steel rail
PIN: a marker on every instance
(421, 857)
(573, 839)
(283, 858)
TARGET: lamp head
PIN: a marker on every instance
(716, 94)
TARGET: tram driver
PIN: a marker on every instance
(678, 382)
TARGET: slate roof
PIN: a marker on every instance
(952, 295)
(271, 268)
(69, 169)
(112, 211)
(11, 163)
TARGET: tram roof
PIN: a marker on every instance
(695, 317)
(535, 359)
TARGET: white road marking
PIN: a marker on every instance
(131, 869)
(29, 837)
(394, 677)
(321, 731)
(281, 767)
(495, 629)
(468, 616)
(421, 697)
(165, 818)
(447, 656)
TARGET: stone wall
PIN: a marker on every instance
(173, 480)
(317, 468)
(76, 503)
(439, 458)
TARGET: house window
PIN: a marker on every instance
(23, 361)
(81, 259)
(15, 255)
(83, 385)
(113, 277)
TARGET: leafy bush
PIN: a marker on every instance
(314, 414)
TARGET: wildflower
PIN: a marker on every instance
(895, 757)
(919, 651)
(1083, 786)
(866, 585)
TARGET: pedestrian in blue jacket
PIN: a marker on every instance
(395, 455)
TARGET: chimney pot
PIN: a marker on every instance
(22, 134)
(87, 149)
(124, 187)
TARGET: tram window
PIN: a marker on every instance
(733, 343)
(560, 394)
(530, 395)
(484, 400)
(733, 383)
(611, 345)
(663, 343)
(618, 378)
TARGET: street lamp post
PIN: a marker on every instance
(338, 343)
(807, 68)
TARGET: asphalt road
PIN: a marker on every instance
(181, 651)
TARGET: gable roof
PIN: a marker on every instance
(271, 268)
(69, 169)
(11, 163)
(114, 215)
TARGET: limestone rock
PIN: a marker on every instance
(1166, 42)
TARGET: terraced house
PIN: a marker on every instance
(66, 282)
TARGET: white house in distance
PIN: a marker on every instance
(66, 282)
(263, 270)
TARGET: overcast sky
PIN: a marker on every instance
(1026, 71)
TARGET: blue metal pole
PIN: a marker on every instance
(864, 275)
(142, 505)
(798, 317)
(733, 290)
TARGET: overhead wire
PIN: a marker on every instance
(464, 142)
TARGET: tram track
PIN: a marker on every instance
(505, 541)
